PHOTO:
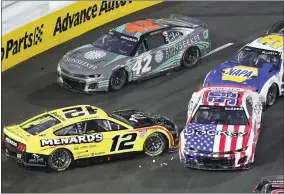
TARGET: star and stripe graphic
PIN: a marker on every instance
(218, 141)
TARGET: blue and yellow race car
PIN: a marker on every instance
(257, 65)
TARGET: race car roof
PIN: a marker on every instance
(222, 98)
(60, 113)
(140, 27)
(273, 42)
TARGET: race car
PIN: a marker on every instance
(259, 65)
(137, 50)
(60, 137)
(277, 28)
(271, 184)
(222, 129)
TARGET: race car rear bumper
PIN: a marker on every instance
(214, 165)
(24, 158)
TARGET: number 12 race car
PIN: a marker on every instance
(258, 64)
(57, 138)
(222, 129)
(134, 51)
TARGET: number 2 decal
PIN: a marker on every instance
(78, 112)
(140, 68)
(137, 26)
(125, 144)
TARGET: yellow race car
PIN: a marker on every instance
(57, 138)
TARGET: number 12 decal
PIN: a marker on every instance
(78, 111)
(125, 144)
(139, 68)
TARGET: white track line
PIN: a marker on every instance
(218, 49)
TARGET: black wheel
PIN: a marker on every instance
(118, 79)
(155, 144)
(271, 95)
(60, 160)
(190, 57)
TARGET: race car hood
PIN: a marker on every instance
(235, 74)
(89, 59)
(212, 138)
(139, 119)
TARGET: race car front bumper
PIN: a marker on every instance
(204, 163)
(82, 85)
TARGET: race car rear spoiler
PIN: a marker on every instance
(227, 88)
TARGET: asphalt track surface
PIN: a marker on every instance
(29, 89)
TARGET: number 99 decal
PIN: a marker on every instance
(223, 97)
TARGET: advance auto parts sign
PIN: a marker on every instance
(61, 26)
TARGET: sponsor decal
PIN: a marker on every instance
(159, 56)
(76, 19)
(234, 108)
(214, 133)
(19, 155)
(8, 140)
(142, 133)
(99, 153)
(72, 140)
(36, 159)
(82, 152)
(129, 38)
(173, 50)
(92, 146)
(77, 63)
(239, 73)
(58, 116)
(83, 156)
(270, 53)
(94, 55)
(23, 42)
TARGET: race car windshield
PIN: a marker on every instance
(254, 57)
(220, 115)
(115, 44)
(40, 124)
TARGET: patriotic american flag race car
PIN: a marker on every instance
(222, 128)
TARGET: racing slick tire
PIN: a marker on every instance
(118, 79)
(60, 160)
(191, 57)
(155, 145)
(271, 95)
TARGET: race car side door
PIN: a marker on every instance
(149, 56)
(117, 137)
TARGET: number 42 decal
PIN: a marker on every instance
(142, 65)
